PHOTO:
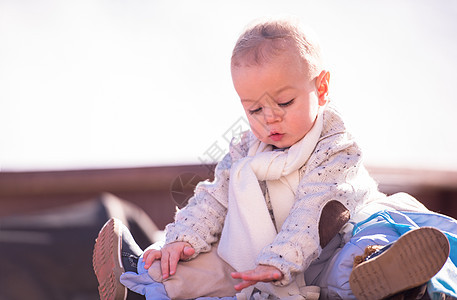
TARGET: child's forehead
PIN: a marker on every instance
(288, 59)
(281, 75)
(265, 51)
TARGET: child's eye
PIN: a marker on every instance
(253, 111)
(286, 103)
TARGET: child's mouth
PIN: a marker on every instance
(275, 136)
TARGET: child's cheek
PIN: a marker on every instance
(259, 131)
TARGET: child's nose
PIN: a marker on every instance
(272, 114)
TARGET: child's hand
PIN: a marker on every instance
(260, 273)
(169, 255)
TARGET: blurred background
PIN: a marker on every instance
(87, 84)
(134, 98)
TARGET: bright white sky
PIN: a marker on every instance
(121, 83)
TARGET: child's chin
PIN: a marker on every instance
(281, 145)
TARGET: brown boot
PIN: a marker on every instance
(408, 263)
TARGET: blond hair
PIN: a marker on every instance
(265, 39)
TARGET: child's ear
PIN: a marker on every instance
(322, 84)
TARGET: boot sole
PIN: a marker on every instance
(107, 262)
(403, 266)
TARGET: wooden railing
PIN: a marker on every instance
(157, 190)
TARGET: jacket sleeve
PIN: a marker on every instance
(200, 222)
(330, 174)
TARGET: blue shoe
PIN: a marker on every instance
(407, 263)
(115, 252)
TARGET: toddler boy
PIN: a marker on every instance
(274, 217)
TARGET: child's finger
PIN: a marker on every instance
(187, 252)
(276, 276)
(146, 254)
(244, 284)
(261, 276)
(173, 261)
(164, 265)
(151, 257)
(236, 275)
(258, 275)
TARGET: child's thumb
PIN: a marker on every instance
(188, 252)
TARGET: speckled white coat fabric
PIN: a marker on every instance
(334, 171)
(248, 219)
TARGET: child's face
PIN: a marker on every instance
(279, 99)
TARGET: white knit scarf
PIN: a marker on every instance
(248, 227)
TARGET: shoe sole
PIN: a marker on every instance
(107, 263)
(403, 266)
